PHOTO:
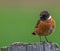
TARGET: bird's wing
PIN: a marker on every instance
(37, 23)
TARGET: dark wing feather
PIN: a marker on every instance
(37, 23)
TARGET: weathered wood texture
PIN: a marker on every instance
(43, 46)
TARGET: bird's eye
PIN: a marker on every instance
(44, 15)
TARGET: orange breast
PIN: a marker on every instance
(45, 28)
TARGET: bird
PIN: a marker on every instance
(45, 25)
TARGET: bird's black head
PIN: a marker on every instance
(44, 15)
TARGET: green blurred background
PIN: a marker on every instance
(19, 17)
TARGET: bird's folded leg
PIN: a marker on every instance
(46, 38)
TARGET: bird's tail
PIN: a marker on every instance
(33, 33)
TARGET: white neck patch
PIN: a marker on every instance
(49, 17)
